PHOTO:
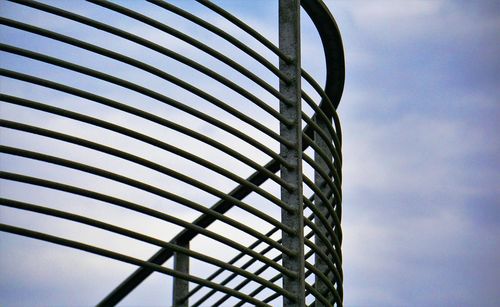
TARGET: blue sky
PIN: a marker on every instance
(420, 116)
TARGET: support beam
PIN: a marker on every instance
(181, 286)
(290, 108)
(320, 181)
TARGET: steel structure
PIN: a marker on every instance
(295, 258)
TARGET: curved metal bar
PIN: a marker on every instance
(327, 226)
(334, 51)
(324, 200)
(248, 263)
(160, 97)
(154, 23)
(317, 272)
(273, 279)
(221, 33)
(126, 156)
(236, 258)
(332, 184)
(125, 204)
(143, 238)
(123, 155)
(325, 100)
(232, 261)
(246, 281)
(335, 70)
(151, 189)
(319, 134)
(246, 28)
(219, 56)
(155, 47)
(334, 148)
(332, 46)
(323, 255)
(67, 138)
(317, 295)
(128, 132)
(126, 259)
(334, 168)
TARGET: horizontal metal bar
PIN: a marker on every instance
(248, 29)
(335, 80)
(126, 259)
(334, 149)
(318, 295)
(221, 301)
(87, 119)
(273, 279)
(335, 169)
(153, 190)
(27, 128)
(232, 261)
(153, 46)
(320, 115)
(144, 138)
(232, 276)
(317, 191)
(221, 33)
(318, 273)
(334, 185)
(236, 258)
(212, 52)
(328, 205)
(337, 270)
(125, 204)
(142, 238)
(326, 224)
(327, 102)
(105, 149)
(162, 98)
(257, 272)
(123, 155)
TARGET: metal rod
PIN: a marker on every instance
(125, 204)
(138, 40)
(221, 33)
(145, 187)
(124, 258)
(214, 53)
(177, 248)
(162, 98)
(320, 264)
(248, 29)
(181, 286)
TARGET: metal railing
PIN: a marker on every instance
(290, 216)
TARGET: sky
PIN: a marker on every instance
(420, 118)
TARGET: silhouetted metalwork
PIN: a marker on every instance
(305, 261)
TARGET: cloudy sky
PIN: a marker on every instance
(420, 116)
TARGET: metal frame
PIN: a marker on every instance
(309, 245)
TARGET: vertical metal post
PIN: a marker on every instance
(319, 263)
(290, 107)
(181, 286)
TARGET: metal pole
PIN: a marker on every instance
(319, 263)
(181, 286)
(290, 108)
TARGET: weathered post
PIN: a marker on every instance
(181, 286)
(290, 108)
(320, 182)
